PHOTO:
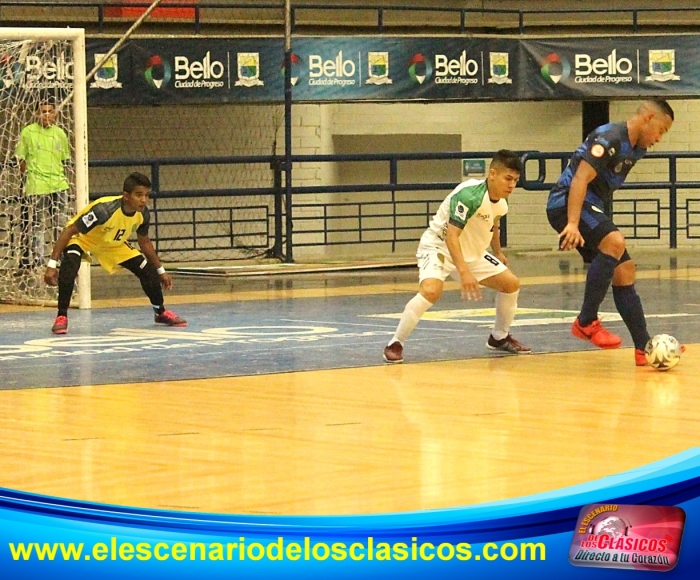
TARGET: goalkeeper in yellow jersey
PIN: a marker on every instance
(102, 230)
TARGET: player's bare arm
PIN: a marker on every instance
(570, 236)
(150, 252)
(470, 286)
(51, 274)
(496, 244)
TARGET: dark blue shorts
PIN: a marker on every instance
(594, 225)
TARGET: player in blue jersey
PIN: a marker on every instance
(455, 244)
(575, 209)
(101, 230)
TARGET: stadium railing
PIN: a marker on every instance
(398, 211)
(97, 15)
(666, 206)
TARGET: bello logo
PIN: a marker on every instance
(336, 67)
(10, 72)
(158, 72)
(555, 68)
(295, 73)
(419, 69)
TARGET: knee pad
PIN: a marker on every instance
(139, 266)
(70, 262)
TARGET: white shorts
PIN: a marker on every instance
(436, 263)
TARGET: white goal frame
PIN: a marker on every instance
(76, 36)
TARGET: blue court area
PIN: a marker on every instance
(323, 321)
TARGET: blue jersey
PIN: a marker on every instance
(609, 151)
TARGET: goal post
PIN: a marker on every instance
(39, 65)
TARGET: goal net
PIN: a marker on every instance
(43, 155)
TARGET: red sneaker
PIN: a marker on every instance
(60, 325)
(170, 318)
(640, 358)
(596, 334)
(394, 353)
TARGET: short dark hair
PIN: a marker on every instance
(135, 179)
(45, 100)
(664, 107)
(507, 159)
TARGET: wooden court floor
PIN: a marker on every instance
(366, 439)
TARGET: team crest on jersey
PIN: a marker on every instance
(89, 218)
(597, 150)
(461, 210)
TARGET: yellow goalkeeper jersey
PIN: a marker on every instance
(103, 225)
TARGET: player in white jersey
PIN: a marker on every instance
(456, 243)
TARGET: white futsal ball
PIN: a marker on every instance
(663, 352)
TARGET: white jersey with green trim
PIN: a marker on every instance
(469, 208)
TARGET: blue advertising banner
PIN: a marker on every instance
(580, 532)
(198, 70)
(373, 68)
(637, 66)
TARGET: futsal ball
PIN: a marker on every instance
(663, 352)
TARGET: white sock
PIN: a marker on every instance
(416, 307)
(506, 305)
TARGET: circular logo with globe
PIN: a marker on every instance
(611, 526)
(419, 69)
(10, 72)
(555, 68)
(158, 72)
(295, 72)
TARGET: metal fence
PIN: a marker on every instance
(660, 206)
(375, 18)
(386, 212)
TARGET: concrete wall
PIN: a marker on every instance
(150, 132)
(249, 19)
